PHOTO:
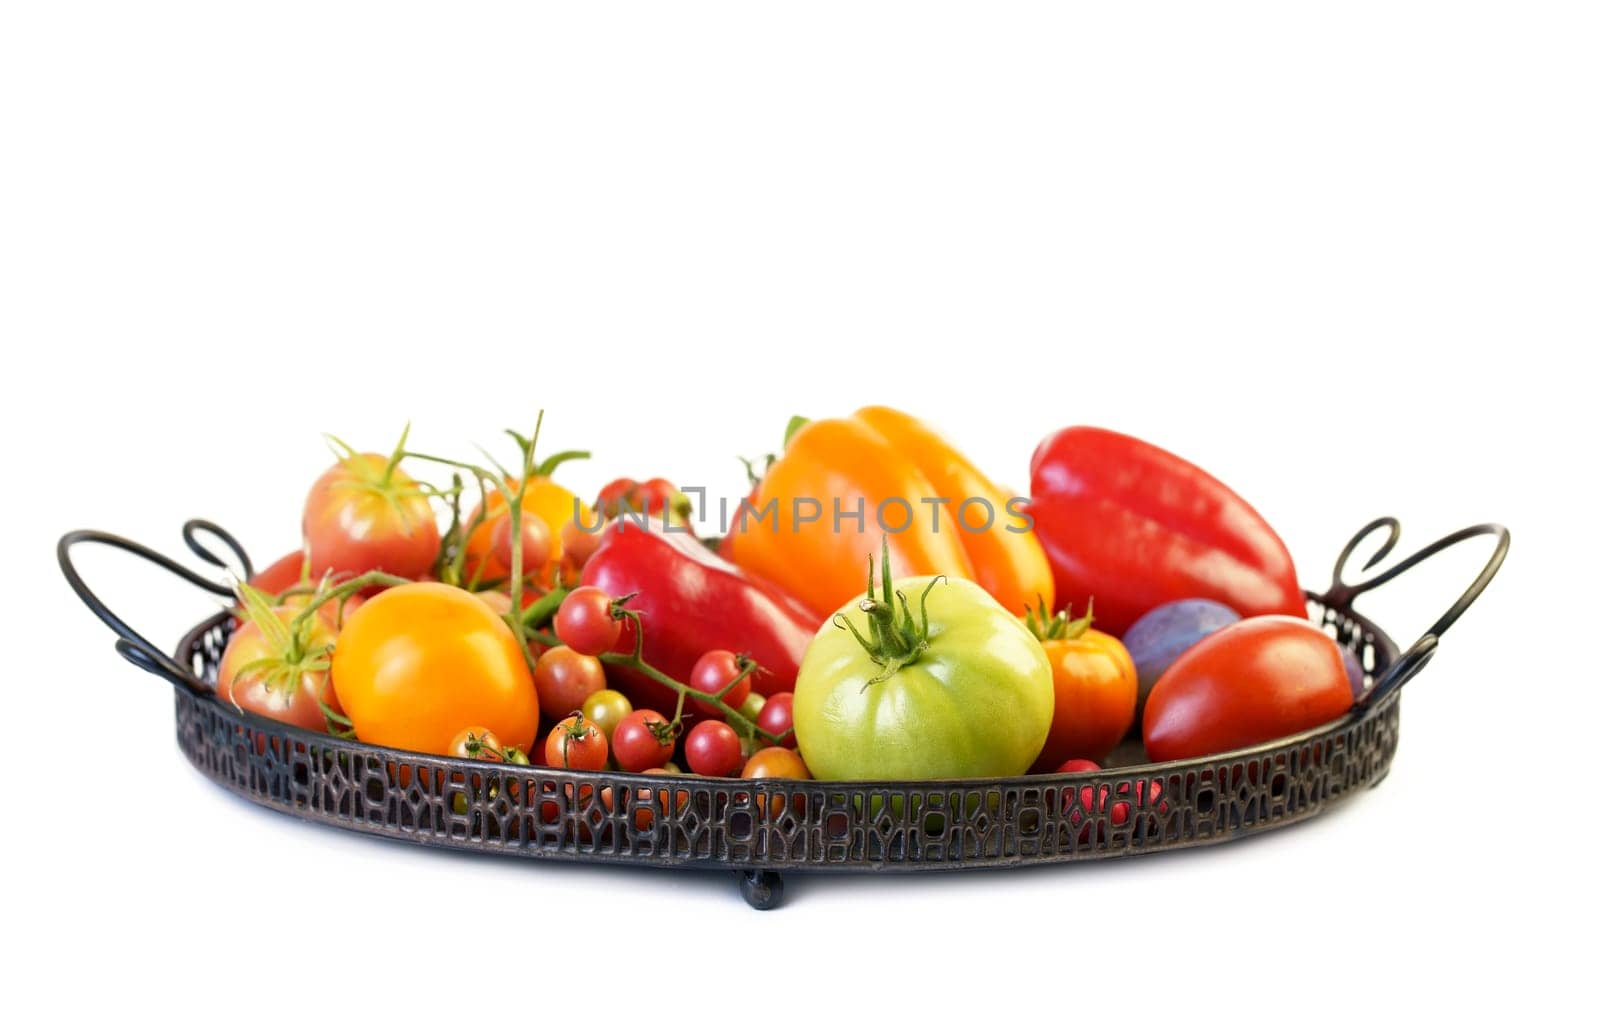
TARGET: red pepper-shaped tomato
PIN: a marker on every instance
(692, 602)
(1250, 682)
(1133, 526)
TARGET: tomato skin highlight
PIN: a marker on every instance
(1133, 526)
(353, 522)
(1250, 682)
(418, 663)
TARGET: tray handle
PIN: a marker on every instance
(131, 645)
(1342, 594)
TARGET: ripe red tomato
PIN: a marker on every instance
(565, 679)
(643, 740)
(585, 623)
(777, 715)
(576, 743)
(715, 670)
(1252, 681)
(279, 675)
(365, 513)
(418, 663)
(712, 749)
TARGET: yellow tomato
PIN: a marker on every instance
(418, 663)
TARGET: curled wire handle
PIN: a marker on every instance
(241, 565)
(1343, 593)
(131, 645)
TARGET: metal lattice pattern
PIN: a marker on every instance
(783, 824)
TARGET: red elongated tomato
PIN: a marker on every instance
(1252, 681)
(1134, 526)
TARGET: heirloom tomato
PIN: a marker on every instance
(365, 513)
(418, 663)
(946, 685)
(276, 667)
(1096, 688)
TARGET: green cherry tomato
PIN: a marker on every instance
(969, 696)
(605, 709)
(752, 705)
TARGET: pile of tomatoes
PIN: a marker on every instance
(498, 616)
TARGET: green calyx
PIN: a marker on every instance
(895, 636)
(291, 655)
(1061, 626)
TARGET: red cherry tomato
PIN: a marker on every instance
(1252, 681)
(576, 743)
(585, 623)
(643, 740)
(536, 547)
(777, 715)
(717, 669)
(565, 679)
(712, 749)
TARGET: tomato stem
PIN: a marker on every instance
(895, 637)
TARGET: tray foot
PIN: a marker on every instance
(762, 889)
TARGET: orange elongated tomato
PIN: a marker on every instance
(939, 513)
(418, 663)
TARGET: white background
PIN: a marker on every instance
(1345, 259)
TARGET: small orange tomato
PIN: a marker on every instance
(776, 763)
(420, 662)
(1096, 687)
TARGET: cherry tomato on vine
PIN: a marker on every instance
(585, 623)
(718, 668)
(712, 748)
(577, 545)
(777, 715)
(418, 663)
(536, 546)
(565, 679)
(643, 740)
(752, 705)
(576, 743)
(478, 743)
(605, 709)
(365, 513)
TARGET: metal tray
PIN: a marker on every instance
(761, 828)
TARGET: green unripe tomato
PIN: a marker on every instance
(976, 701)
